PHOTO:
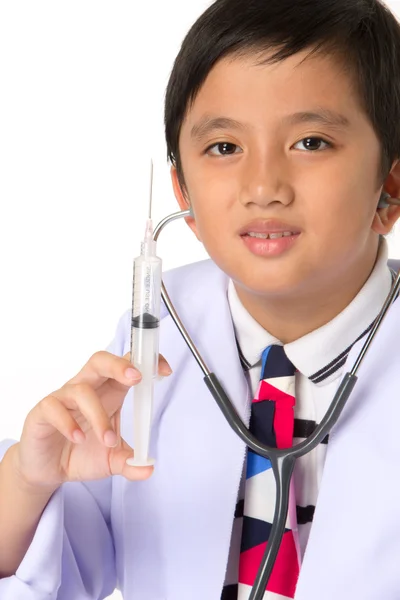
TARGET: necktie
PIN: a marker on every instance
(272, 422)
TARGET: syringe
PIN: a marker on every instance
(145, 327)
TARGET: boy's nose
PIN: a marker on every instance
(264, 181)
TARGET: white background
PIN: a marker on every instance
(81, 111)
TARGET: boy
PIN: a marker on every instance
(283, 128)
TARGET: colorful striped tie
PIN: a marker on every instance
(272, 422)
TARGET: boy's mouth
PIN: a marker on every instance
(269, 238)
(269, 227)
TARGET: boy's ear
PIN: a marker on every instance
(183, 200)
(385, 218)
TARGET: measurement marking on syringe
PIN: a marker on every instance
(147, 283)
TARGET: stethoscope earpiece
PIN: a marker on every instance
(388, 200)
(383, 200)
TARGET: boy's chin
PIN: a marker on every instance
(269, 285)
(283, 276)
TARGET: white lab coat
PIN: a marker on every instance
(168, 538)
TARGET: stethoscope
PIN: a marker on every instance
(282, 460)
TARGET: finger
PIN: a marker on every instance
(58, 416)
(104, 365)
(83, 398)
(118, 464)
(163, 366)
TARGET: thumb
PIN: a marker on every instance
(164, 368)
(118, 465)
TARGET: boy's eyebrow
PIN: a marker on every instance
(208, 124)
(323, 116)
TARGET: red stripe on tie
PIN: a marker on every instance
(284, 422)
(266, 391)
(283, 578)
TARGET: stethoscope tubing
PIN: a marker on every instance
(282, 460)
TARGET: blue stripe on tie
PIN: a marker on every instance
(256, 464)
(264, 359)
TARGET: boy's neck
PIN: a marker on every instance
(290, 317)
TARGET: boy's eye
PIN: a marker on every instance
(223, 149)
(313, 144)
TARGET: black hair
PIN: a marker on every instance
(364, 34)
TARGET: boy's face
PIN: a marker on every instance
(286, 150)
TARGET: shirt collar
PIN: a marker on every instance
(321, 354)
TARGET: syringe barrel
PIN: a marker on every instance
(146, 305)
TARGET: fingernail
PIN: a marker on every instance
(166, 370)
(132, 374)
(78, 436)
(110, 438)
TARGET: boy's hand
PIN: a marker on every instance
(74, 433)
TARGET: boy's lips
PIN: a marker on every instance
(269, 226)
(269, 238)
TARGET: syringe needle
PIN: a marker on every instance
(151, 187)
(148, 246)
